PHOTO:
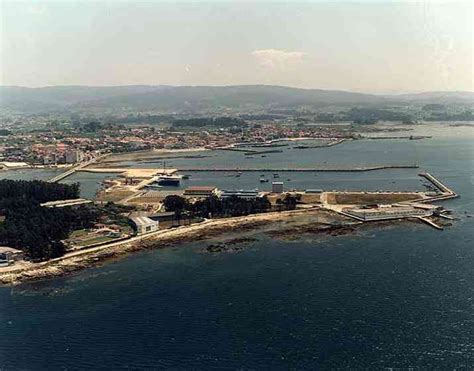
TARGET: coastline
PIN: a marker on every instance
(79, 260)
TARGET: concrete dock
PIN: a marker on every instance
(446, 192)
(430, 222)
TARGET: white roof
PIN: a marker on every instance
(14, 164)
(142, 220)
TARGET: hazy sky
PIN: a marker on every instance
(371, 46)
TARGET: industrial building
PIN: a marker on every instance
(144, 224)
(166, 216)
(241, 193)
(200, 191)
(382, 212)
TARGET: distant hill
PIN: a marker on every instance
(63, 97)
(195, 98)
(170, 99)
(440, 97)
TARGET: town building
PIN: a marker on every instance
(144, 224)
(73, 157)
(200, 191)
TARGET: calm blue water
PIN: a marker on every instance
(397, 297)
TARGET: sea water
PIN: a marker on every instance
(394, 297)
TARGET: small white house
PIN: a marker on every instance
(277, 187)
(145, 224)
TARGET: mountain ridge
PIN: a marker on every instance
(168, 98)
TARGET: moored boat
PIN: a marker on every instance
(169, 180)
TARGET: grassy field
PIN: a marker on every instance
(362, 198)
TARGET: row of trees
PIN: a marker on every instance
(221, 122)
(37, 191)
(373, 115)
(212, 206)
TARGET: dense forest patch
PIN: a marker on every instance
(37, 230)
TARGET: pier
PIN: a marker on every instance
(443, 188)
(302, 170)
(72, 170)
(330, 144)
(62, 176)
(446, 192)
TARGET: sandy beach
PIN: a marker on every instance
(143, 155)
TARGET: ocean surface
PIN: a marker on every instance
(401, 296)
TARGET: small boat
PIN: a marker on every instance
(276, 176)
(263, 179)
(185, 176)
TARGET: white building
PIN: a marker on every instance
(145, 224)
(386, 212)
(251, 194)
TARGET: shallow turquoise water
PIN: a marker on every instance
(402, 296)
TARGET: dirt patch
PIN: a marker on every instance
(363, 198)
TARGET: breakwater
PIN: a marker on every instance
(295, 170)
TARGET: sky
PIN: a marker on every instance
(367, 46)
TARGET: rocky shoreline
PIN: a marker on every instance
(88, 258)
(289, 225)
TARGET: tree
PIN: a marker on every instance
(279, 203)
(290, 202)
(38, 230)
(175, 203)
